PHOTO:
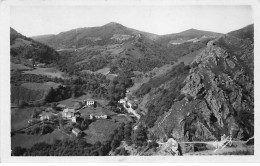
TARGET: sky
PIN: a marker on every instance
(41, 20)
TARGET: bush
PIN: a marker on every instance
(22, 104)
(36, 130)
(18, 151)
(47, 129)
(153, 144)
(140, 136)
(180, 97)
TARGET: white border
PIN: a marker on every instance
(5, 82)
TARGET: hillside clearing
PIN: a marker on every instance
(100, 130)
(40, 86)
(20, 117)
(52, 72)
(15, 66)
(27, 141)
(71, 101)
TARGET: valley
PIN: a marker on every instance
(113, 90)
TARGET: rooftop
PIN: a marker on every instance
(77, 130)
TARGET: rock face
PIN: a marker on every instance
(170, 148)
(219, 94)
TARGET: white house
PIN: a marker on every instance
(97, 116)
(46, 115)
(61, 106)
(76, 131)
(68, 113)
(40, 65)
(122, 101)
(74, 119)
(101, 116)
(90, 102)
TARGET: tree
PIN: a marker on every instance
(140, 136)
(47, 129)
(115, 143)
(22, 104)
(18, 151)
(123, 152)
(50, 96)
(127, 134)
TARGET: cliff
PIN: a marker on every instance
(219, 95)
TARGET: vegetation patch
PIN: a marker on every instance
(100, 130)
(54, 73)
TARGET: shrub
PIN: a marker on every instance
(47, 129)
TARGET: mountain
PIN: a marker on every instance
(244, 33)
(42, 37)
(24, 48)
(191, 35)
(213, 97)
(92, 35)
(116, 46)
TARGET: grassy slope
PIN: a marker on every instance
(52, 72)
(20, 117)
(100, 130)
(27, 141)
(15, 66)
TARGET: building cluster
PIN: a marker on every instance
(70, 113)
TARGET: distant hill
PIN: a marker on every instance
(91, 35)
(117, 46)
(24, 48)
(42, 37)
(244, 33)
(186, 36)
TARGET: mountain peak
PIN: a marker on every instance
(113, 24)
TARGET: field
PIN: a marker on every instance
(100, 130)
(97, 110)
(187, 59)
(20, 117)
(52, 72)
(70, 102)
(15, 66)
(27, 141)
(111, 76)
(21, 43)
(40, 86)
(103, 71)
(31, 91)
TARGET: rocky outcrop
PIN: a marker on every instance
(219, 94)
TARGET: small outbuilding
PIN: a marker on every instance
(77, 132)
(61, 106)
(46, 116)
(68, 113)
(98, 116)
